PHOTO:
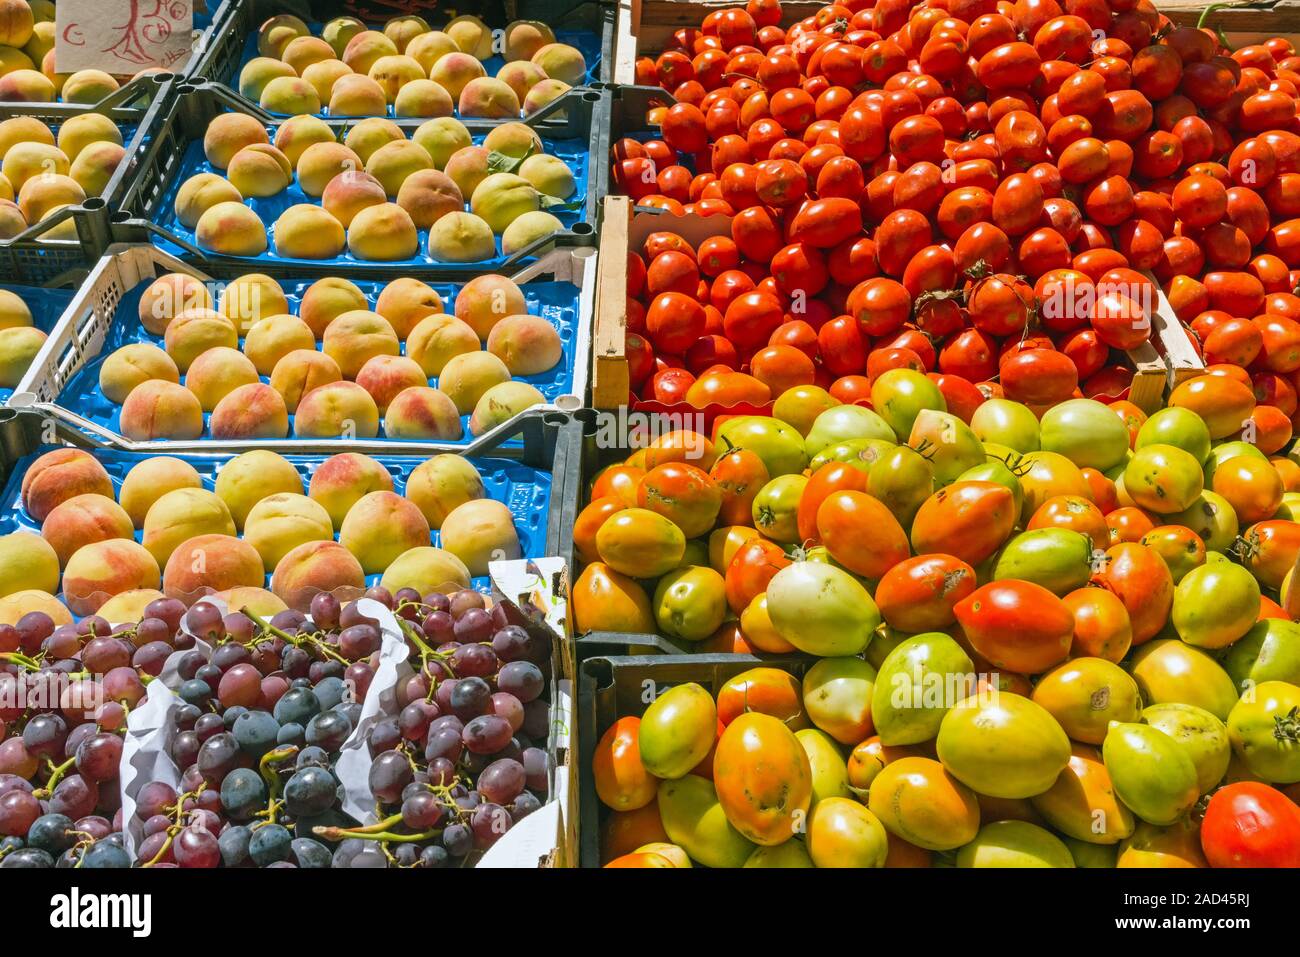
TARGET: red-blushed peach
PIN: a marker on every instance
(251, 297)
(468, 166)
(278, 32)
(479, 532)
(429, 195)
(351, 192)
(248, 478)
(461, 237)
(60, 475)
(356, 95)
(488, 97)
(327, 299)
(342, 480)
(543, 93)
(422, 413)
(302, 52)
(253, 411)
(82, 520)
(385, 376)
(383, 233)
(355, 337)
(280, 523)
(273, 338)
(289, 95)
(471, 34)
(194, 332)
(501, 403)
(129, 606)
(28, 561)
(562, 62)
(528, 345)
(88, 86)
(381, 526)
(402, 30)
(393, 72)
(157, 409)
(41, 195)
(525, 37)
(371, 133)
(100, 570)
(442, 137)
(95, 166)
(301, 371)
(367, 47)
(521, 76)
(200, 193)
(427, 48)
(426, 569)
(441, 484)
(78, 132)
(132, 364)
(23, 161)
(324, 75)
(422, 98)
(454, 71)
(486, 300)
(321, 162)
(316, 567)
(211, 563)
(13, 607)
(231, 228)
(218, 372)
(259, 601)
(306, 231)
(170, 295)
(228, 133)
(436, 339)
(182, 514)
(339, 31)
(337, 410)
(528, 229)
(405, 301)
(258, 72)
(26, 86)
(152, 478)
(260, 171)
(393, 162)
(466, 377)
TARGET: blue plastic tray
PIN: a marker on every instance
(556, 302)
(587, 43)
(46, 306)
(525, 491)
(575, 153)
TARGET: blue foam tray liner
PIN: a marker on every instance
(556, 302)
(574, 152)
(47, 306)
(525, 491)
(587, 43)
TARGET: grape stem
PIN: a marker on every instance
(57, 771)
(266, 767)
(328, 831)
(339, 834)
(20, 659)
(296, 640)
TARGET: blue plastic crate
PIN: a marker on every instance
(47, 306)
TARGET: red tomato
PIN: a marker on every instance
(1249, 824)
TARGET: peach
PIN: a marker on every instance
(339, 31)
(49, 71)
(181, 514)
(479, 532)
(357, 95)
(436, 339)
(218, 372)
(29, 561)
(528, 345)
(254, 411)
(486, 300)
(385, 376)
(422, 413)
(443, 483)
(152, 478)
(441, 138)
(381, 526)
(501, 198)
(528, 229)
(257, 600)
(63, 229)
(468, 167)
(356, 336)
(280, 523)
(393, 72)
(393, 162)
(251, 297)
(337, 410)
(95, 166)
(16, 22)
(299, 372)
(206, 564)
(402, 30)
(306, 231)
(41, 195)
(13, 607)
(366, 48)
(294, 135)
(19, 347)
(168, 296)
(289, 95)
(525, 37)
(321, 162)
(406, 301)
(426, 569)
(422, 98)
(228, 133)
(87, 86)
(324, 76)
(350, 192)
(200, 193)
(78, 132)
(302, 52)
(231, 228)
(466, 377)
(27, 86)
(129, 606)
(259, 171)
(276, 33)
(489, 98)
(100, 570)
(41, 42)
(195, 331)
(342, 480)
(327, 299)
(461, 237)
(454, 71)
(562, 62)
(521, 76)
(22, 161)
(260, 71)
(14, 312)
(248, 478)
(132, 364)
(271, 339)
(383, 233)
(428, 48)
(501, 403)
(549, 174)
(547, 91)
(316, 567)
(428, 195)
(158, 409)
(472, 35)
(23, 129)
(12, 222)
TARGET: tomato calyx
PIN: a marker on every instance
(1286, 727)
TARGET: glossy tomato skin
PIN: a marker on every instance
(919, 594)
(1017, 625)
(622, 782)
(1249, 824)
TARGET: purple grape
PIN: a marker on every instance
(204, 621)
(523, 679)
(325, 611)
(151, 656)
(464, 600)
(167, 610)
(33, 628)
(380, 594)
(489, 822)
(475, 625)
(502, 781)
(421, 811)
(486, 734)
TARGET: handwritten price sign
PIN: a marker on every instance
(122, 37)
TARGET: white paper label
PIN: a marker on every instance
(122, 37)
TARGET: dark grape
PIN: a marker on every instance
(151, 657)
(470, 698)
(329, 730)
(537, 719)
(330, 691)
(44, 735)
(269, 844)
(295, 662)
(311, 790)
(218, 756)
(153, 629)
(304, 852)
(489, 822)
(298, 705)
(33, 628)
(233, 843)
(227, 656)
(439, 626)
(357, 680)
(473, 661)
(18, 809)
(196, 847)
(93, 625)
(352, 615)
(486, 734)
(415, 719)
(256, 732)
(384, 735)
(291, 733)
(102, 855)
(390, 772)
(523, 679)
(209, 724)
(443, 743)
(28, 857)
(52, 833)
(434, 856)
(204, 621)
(195, 692)
(188, 665)
(525, 804)
(243, 793)
(155, 797)
(359, 641)
(441, 771)
(458, 839)
(421, 811)
(325, 611)
(290, 621)
(511, 643)
(473, 625)
(537, 766)
(209, 673)
(502, 781)
(74, 796)
(98, 758)
(438, 601)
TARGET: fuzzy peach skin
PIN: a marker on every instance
(82, 520)
(13, 607)
(327, 299)
(422, 413)
(441, 484)
(426, 569)
(299, 372)
(181, 515)
(381, 526)
(158, 409)
(280, 523)
(355, 337)
(257, 600)
(27, 561)
(253, 411)
(151, 479)
(386, 376)
(217, 373)
(60, 475)
(132, 364)
(315, 567)
(337, 409)
(248, 478)
(271, 339)
(405, 301)
(342, 480)
(486, 300)
(210, 563)
(98, 571)
(128, 606)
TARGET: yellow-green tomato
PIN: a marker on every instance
(1264, 729)
(1202, 736)
(918, 800)
(821, 609)
(1014, 844)
(776, 508)
(1169, 670)
(690, 602)
(837, 696)
(1085, 695)
(694, 819)
(1151, 774)
(1002, 745)
(843, 833)
(1163, 478)
(677, 731)
(1214, 605)
(792, 853)
(830, 772)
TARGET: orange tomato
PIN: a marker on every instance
(919, 594)
(1139, 577)
(622, 782)
(861, 533)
